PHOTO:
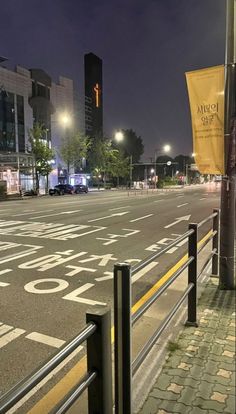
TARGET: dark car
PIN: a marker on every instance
(61, 189)
(80, 188)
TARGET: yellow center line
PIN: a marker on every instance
(58, 392)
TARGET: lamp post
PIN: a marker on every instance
(228, 186)
(119, 137)
(130, 171)
(65, 120)
(165, 149)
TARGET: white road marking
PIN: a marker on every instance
(178, 220)
(200, 199)
(46, 339)
(108, 241)
(2, 272)
(74, 296)
(181, 205)
(44, 381)
(10, 336)
(157, 201)
(112, 215)
(4, 284)
(145, 270)
(172, 250)
(17, 256)
(141, 218)
(182, 242)
(55, 231)
(29, 212)
(109, 276)
(55, 214)
(118, 208)
(5, 328)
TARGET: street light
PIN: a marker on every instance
(119, 137)
(65, 119)
(166, 148)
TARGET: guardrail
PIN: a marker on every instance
(98, 378)
(125, 368)
(97, 333)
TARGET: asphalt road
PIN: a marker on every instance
(57, 255)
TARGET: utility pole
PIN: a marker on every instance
(130, 171)
(227, 227)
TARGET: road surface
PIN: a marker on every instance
(57, 255)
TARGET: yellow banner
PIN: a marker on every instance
(206, 96)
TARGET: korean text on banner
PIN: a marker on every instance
(206, 96)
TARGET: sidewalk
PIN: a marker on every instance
(198, 376)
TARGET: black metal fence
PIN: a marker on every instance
(97, 333)
(98, 378)
(125, 368)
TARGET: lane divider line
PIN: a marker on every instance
(141, 218)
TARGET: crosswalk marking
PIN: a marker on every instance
(10, 336)
(46, 339)
(4, 329)
(4, 284)
(8, 333)
(2, 272)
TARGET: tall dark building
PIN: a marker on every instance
(93, 95)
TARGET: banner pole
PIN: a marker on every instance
(227, 219)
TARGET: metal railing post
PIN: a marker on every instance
(192, 276)
(123, 328)
(99, 359)
(215, 242)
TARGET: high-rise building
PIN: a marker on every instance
(27, 97)
(93, 96)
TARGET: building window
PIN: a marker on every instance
(88, 100)
(7, 122)
(20, 123)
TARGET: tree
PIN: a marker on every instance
(42, 153)
(131, 145)
(183, 161)
(115, 163)
(73, 149)
(106, 159)
(96, 153)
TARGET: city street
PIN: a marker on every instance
(57, 256)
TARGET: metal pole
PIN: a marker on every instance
(227, 220)
(99, 359)
(130, 171)
(215, 242)
(123, 328)
(155, 168)
(192, 276)
(186, 174)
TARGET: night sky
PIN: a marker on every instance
(146, 47)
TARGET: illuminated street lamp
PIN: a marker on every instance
(119, 137)
(166, 148)
(65, 120)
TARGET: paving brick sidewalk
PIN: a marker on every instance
(198, 376)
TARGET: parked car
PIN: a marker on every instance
(61, 189)
(80, 188)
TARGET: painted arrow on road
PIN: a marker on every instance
(112, 215)
(178, 220)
